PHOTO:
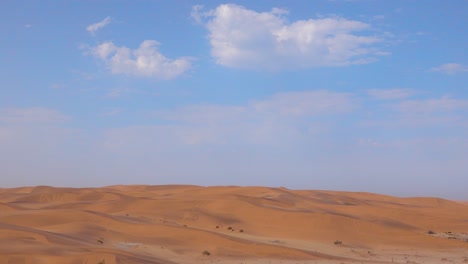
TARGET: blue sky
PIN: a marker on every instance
(362, 95)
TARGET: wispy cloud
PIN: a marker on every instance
(306, 103)
(93, 28)
(112, 111)
(297, 134)
(390, 94)
(261, 121)
(450, 68)
(144, 61)
(444, 112)
(244, 38)
(32, 115)
(443, 104)
(378, 17)
(117, 92)
(197, 13)
(280, 105)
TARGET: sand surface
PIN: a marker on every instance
(191, 224)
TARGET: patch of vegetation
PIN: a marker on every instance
(229, 228)
(337, 242)
(241, 231)
(102, 262)
(217, 226)
(206, 253)
(430, 232)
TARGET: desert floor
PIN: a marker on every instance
(191, 224)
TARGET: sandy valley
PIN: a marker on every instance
(191, 224)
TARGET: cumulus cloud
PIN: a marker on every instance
(243, 38)
(390, 94)
(33, 115)
(93, 28)
(450, 68)
(144, 61)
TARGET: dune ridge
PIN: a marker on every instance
(193, 224)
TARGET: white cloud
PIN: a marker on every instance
(390, 94)
(93, 28)
(33, 115)
(450, 68)
(145, 61)
(243, 38)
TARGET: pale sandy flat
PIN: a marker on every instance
(191, 224)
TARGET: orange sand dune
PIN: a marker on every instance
(192, 224)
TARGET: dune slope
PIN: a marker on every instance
(192, 224)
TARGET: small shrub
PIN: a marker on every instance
(102, 262)
(100, 241)
(242, 230)
(206, 253)
(217, 226)
(430, 232)
(337, 242)
(229, 228)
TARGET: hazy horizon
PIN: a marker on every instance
(346, 95)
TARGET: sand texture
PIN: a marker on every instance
(191, 224)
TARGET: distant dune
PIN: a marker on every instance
(192, 224)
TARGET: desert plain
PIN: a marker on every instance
(193, 224)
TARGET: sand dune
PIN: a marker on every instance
(191, 224)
